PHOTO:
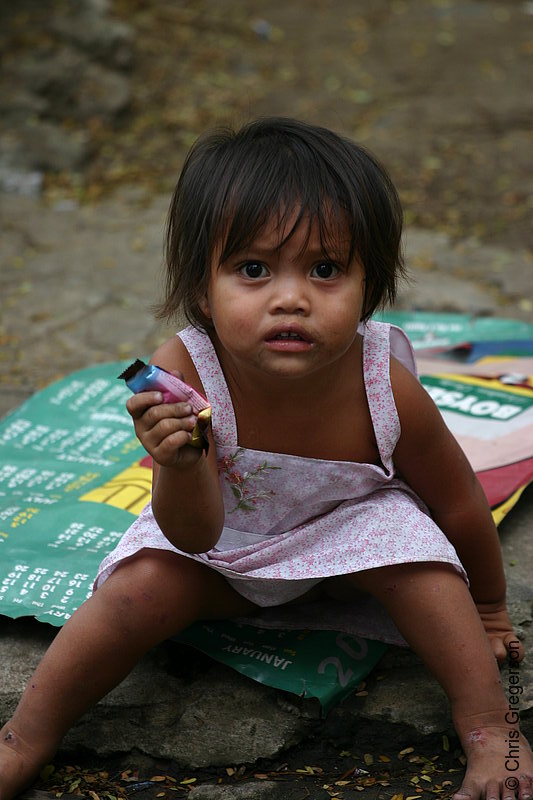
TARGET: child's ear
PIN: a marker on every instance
(203, 305)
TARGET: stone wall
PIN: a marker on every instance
(65, 73)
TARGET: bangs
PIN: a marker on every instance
(271, 189)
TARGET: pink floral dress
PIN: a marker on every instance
(292, 521)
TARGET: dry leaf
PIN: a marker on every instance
(406, 751)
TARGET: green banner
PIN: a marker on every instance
(324, 664)
(71, 482)
(448, 330)
(475, 401)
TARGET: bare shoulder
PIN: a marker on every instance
(427, 454)
(422, 425)
(415, 408)
(173, 355)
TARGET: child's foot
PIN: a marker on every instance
(20, 763)
(499, 763)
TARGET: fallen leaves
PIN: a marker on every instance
(402, 775)
(405, 752)
(81, 782)
(99, 785)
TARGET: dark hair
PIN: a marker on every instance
(233, 182)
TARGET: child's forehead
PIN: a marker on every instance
(312, 231)
(326, 229)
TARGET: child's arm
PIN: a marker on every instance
(186, 497)
(431, 461)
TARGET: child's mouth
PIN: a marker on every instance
(288, 340)
(289, 335)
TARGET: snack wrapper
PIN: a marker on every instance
(141, 377)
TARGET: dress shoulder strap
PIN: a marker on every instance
(205, 359)
(380, 339)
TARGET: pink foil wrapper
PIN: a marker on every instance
(141, 377)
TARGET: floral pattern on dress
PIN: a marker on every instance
(246, 494)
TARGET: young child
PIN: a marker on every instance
(330, 472)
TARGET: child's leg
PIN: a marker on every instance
(434, 611)
(147, 599)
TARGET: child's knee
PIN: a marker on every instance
(149, 569)
(171, 589)
(144, 588)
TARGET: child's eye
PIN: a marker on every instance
(253, 270)
(326, 270)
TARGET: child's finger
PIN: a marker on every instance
(168, 442)
(498, 648)
(167, 416)
(161, 428)
(507, 646)
(169, 424)
(137, 404)
(170, 449)
(514, 647)
(153, 406)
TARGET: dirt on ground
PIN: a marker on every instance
(440, 90)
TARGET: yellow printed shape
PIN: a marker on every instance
(486, 383)
(130, 490)
(501, 511)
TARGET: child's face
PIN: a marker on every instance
(286, 311)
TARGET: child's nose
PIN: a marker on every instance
(290, 296)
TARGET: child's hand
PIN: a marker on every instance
(164, 429)
(499, 629)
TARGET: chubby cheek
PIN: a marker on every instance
(339, 340)
(236, 329)
(233, 320)
(342, 320)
